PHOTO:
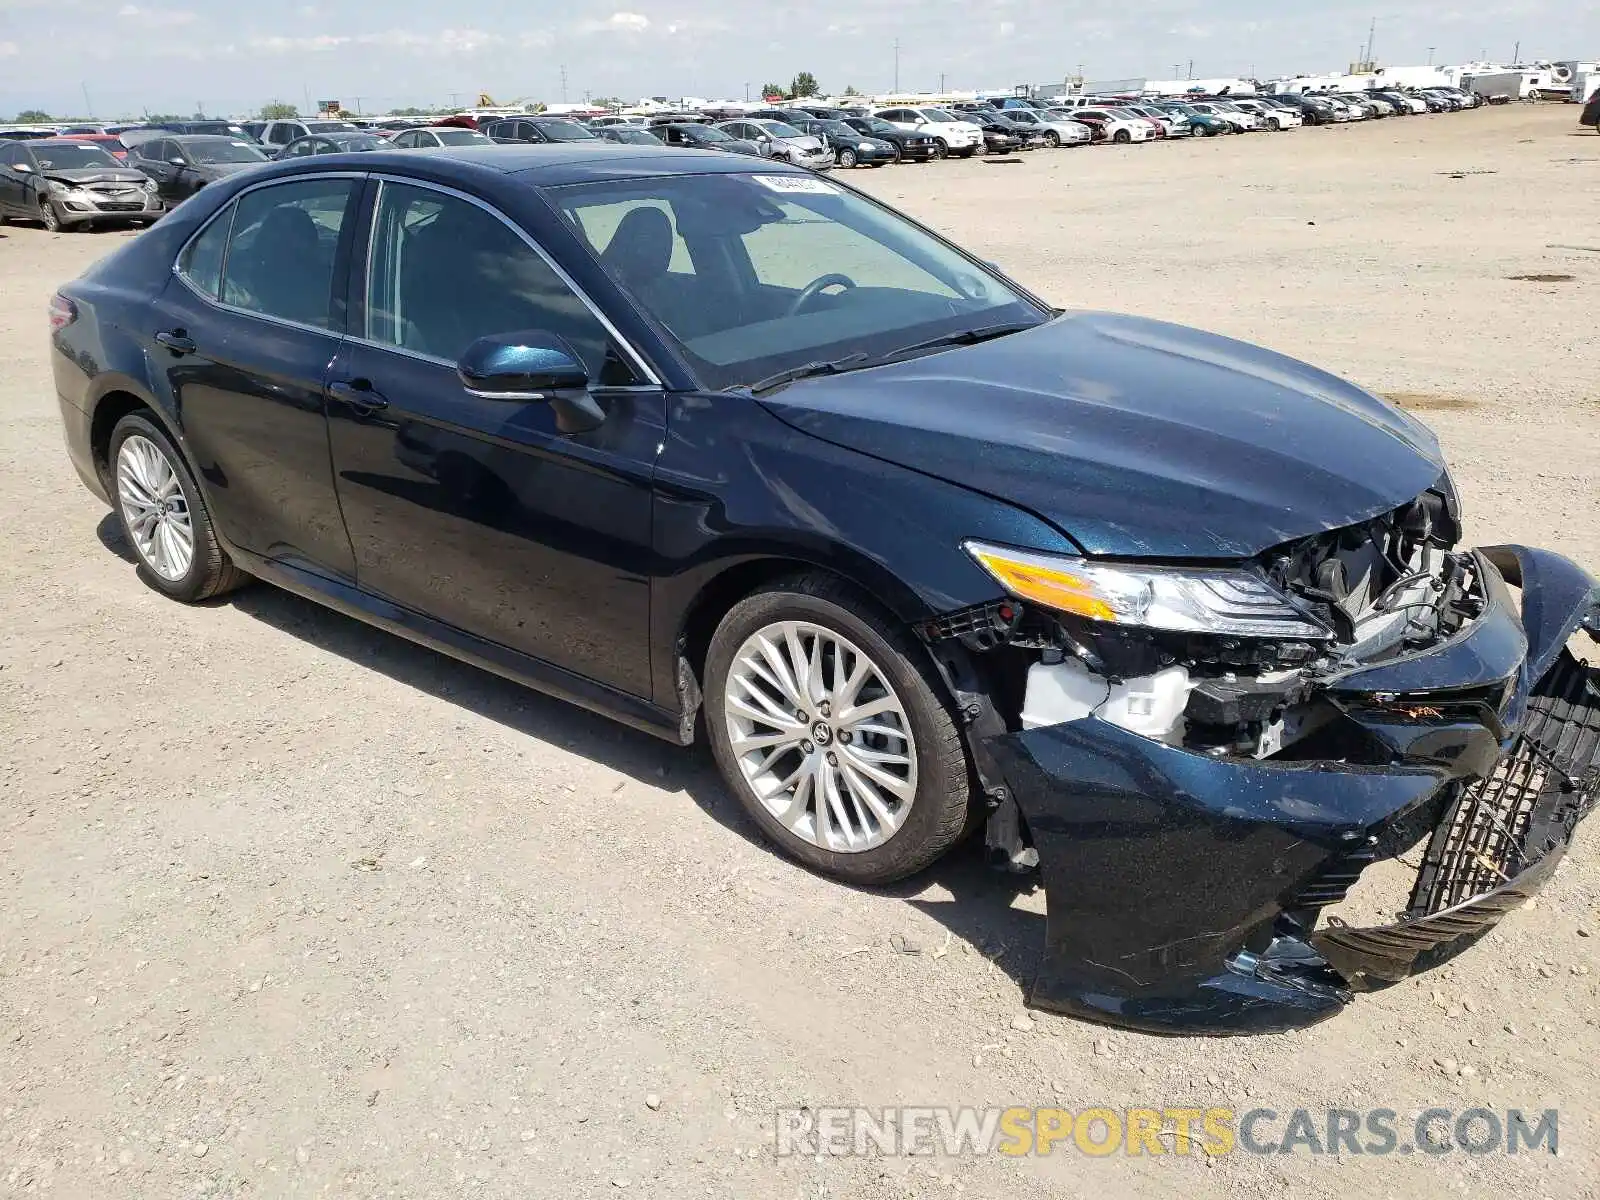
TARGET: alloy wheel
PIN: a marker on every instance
(47, 215)
(155, 509)
(820, 736)
(847, 157)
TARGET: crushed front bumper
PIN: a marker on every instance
(1184, 890)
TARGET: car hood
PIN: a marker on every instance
(223, 170)
(80, 175)
(1134, 437)
(803, 142)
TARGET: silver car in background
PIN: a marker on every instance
(1058, 128)
(782, 141)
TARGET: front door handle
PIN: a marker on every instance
(177, 341)
(358, 393)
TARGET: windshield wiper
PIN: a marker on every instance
(805, 371)
(962, 337)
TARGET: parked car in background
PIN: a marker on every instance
(1111, 126)
(1590, 115)
(26, 133)
(536, 130)
(780, 140)
(1200, 124)
(65, 183)
(234, 129)
(1171, 124)
(910, 145)
(1242, 122)
(1000, 136)
(691, 135)
(1270, 116)
(281, 133)
(109, 142)
(1315, 110)
(618, 122)
(335, 143)
(960, 138)
(1054, 127)
(628, 135)
(850, 147)
(433, 136)
(181, 164)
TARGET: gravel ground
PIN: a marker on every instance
(289, 906)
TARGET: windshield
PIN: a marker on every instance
(872, 125)
(836, 128)
(779, 129)
(331, 127)
(71, 156)
(939, 114)
(461, 137)
(224, 152)
(632, 137)
(563, 131)
(705, 133)
(1023, 116)
(360, 141)
(756, 279)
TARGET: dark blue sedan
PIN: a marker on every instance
(726, 450)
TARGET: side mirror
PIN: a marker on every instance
(22, 167)
(521, 366)
(177, 162)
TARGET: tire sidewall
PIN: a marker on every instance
(847, 158)
(48, 217)
(927, 713)
(194, 580)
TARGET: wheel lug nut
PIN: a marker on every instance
(833, 759)
(824, 708)
(799, 716)
(806, 747)
(844, 737)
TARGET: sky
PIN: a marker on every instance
(177, 55)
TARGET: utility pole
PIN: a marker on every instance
(1191, 68)
(1177, 70)
(1516, 55)
(747, 93)
(88, 109)
(358, 105)
(1372, 33)
(941, 83)
(896, 66)
(563, 83)
(1430, 54)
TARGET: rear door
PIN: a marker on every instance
(243, 335)
(498, 516)
(14, 183)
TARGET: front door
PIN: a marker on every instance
(15, 195)
(243, 335)
(486, 513)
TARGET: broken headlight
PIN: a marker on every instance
(1225, 601)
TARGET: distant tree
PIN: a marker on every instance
(773, 91)
(278, 111)
(163, 118)
(32, 117)
(851, 91)
(805, 84)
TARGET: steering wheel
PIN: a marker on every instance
(816, 287)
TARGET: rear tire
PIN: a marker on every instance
(869, 834)
(159, 509)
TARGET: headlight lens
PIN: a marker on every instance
(1225, 601)
(59, 188)
(150, 186)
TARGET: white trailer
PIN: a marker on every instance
(1584, 85)
(1581, 78)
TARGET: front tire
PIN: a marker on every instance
(48, 216)
(847, 157)
(163, 516)
(1053, 140)
(1122, 137)
(942, 150)
(827, 723)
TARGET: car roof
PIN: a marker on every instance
(199, 139)
(549, 165)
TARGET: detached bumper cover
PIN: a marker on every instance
(1184, 890)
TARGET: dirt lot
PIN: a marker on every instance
(289, 906)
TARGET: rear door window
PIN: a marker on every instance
(201, 263)
(281, 252)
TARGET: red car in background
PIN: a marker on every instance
(109, 142)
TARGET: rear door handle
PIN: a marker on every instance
(358, 393)
(177, 341)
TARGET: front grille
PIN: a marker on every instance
(120, 205)
(1491, 835)
(1499, 840)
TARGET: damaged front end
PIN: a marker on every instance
(1202, 764)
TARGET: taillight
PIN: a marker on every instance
(63, 312)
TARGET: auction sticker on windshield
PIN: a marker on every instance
(795, 183)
